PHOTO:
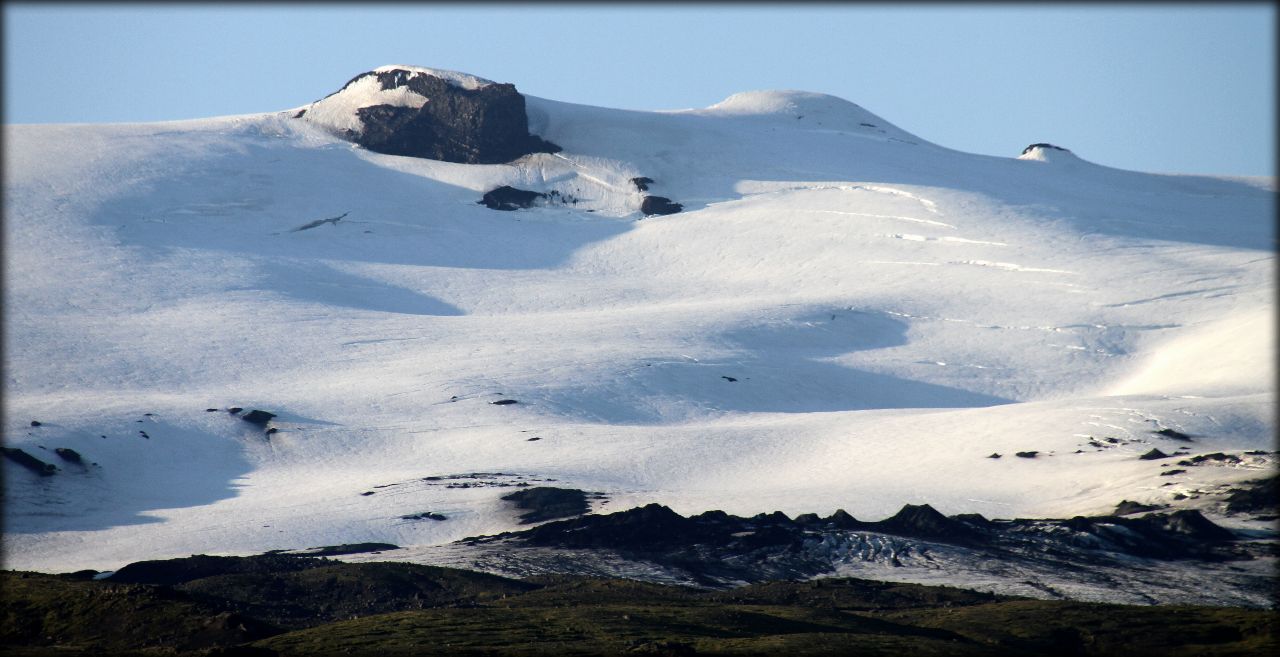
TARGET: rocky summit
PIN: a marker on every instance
(430, 114)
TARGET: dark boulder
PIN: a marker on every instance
(642, 183)
(258, 417)
(1174, 434)
(1027, 455)
(68, 454)
(1153, 455)
(504, 402)
(509, 198)
(484, 125)
(652, 205)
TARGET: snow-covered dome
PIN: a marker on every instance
(804, 109)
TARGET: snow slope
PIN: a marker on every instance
(844, 316)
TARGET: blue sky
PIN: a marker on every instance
(1177, 88)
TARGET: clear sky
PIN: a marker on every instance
(1176, 88)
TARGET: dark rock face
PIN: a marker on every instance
(652, 205)
(651, 527)
(1218, 457)
(923, 521)
(1128, 507)
(549, 503)
(258, 417)
(642, 183)
(487, 125)
(717, 547)
(509, 198)
(842, 520)
(30, 462)
(658, 528)
(68, 454)
(1262, 496)
(1042, 145)
(1174, 434)
(425, 515)
(334, 550)
(1192, 524)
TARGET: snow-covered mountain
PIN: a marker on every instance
(843, 315)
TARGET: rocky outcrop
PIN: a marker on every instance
(431, 114)
(652, 205)
(923, 521)
(1260, 496)
(507, 197)
(549, 503)
(68, 454)
(258, 417)
(30, 462)
(1043, 145)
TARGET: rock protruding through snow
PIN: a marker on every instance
(439, 115)
(1044, 152)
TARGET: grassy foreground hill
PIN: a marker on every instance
(272, 605)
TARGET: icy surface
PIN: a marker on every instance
(844, 316)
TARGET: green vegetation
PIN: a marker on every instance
(329, 607)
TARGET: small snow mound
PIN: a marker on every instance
(1048, 153)
(805, 109)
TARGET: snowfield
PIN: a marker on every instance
(843, 316)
